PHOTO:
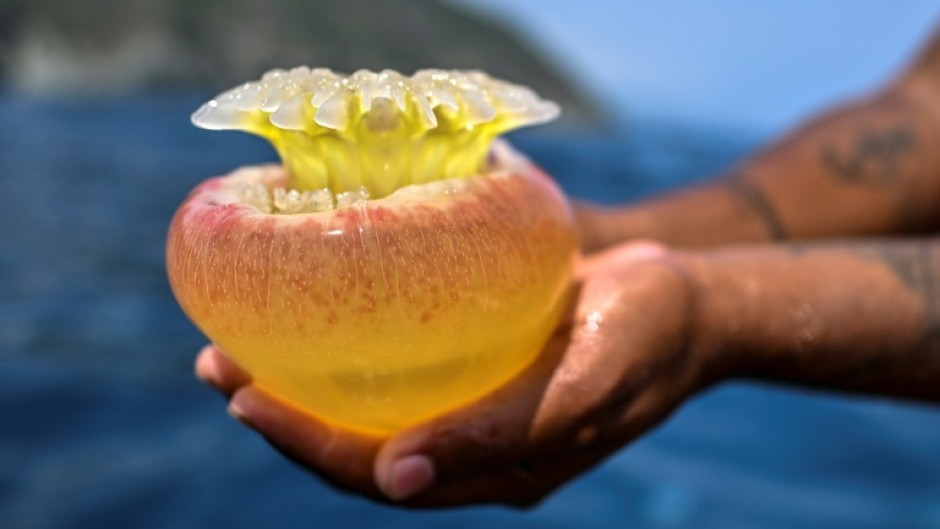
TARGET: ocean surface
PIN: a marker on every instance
(102, 424)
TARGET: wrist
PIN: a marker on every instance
(710, 215)
(849, 317)
(715, 324)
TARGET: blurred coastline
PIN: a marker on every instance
(61, 48)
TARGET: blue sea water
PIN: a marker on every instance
(102, 424)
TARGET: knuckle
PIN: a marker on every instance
(472, 442)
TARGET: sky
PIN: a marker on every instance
(744, 64)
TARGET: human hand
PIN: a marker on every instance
(620, 363)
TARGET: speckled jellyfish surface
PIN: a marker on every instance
(371, 133)
(399, 264)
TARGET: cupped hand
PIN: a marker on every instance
(617, 366)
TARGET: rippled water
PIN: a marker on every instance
(102, 424)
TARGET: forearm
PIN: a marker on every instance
(871, 168)
(860, 317)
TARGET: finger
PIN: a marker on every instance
(486, 436)
(341, 457)
(216, 370)
(450, 449)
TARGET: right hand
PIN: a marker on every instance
(620, 364)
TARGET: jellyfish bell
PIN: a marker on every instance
(399, 264)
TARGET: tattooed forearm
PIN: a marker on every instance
(754, 198)
(877, 157)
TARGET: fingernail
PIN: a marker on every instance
(409, 476)
(236, 412)
(199, 371)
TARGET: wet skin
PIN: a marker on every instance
(807, 264)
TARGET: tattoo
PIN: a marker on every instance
(918, 267)
(755, 198)
(915, 264)
(876, 157)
